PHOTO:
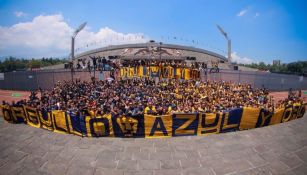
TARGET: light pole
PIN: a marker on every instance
(160, 50)
(228, 40)
(73, 40)
(73, 46)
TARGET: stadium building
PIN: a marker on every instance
(157, 51)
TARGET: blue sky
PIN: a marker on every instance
(261, 30)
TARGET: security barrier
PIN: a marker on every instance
(149, 126)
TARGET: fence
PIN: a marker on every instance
(31, 80)
(272, 81)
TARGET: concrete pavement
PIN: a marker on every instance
(277, 149)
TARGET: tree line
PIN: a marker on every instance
(298, 67)
(19, 64)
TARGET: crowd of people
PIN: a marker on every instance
(173, 63)
(136, 96)
(94, 63)
(102, 64)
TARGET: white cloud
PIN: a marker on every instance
(47, 36)
(257, 14)
(238, 59)
(242, 13)
(20, 14)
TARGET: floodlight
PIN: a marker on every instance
(228, 41)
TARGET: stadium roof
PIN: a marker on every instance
(144, 45)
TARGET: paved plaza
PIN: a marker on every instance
(278, 149)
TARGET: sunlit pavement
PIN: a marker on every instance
(278, 149)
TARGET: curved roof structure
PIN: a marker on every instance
(153, 50)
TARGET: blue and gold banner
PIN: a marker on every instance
(32, 116)
(287, 114)
(45, 118)
(19, 115)
(7, 113)
(264, 118)
(128, 126)
(195, 74)
(167, 72)
(299, 110)
(277, 116)
(249, 117)
(231, 120)
(60, 122)
(124, 72)
(158, 126)
(154, 71)
(160, 71)
(100, 126)
(178, 72)
(149, 126)
(209, 123)
(76, 123)
(185, 124)
(186, 74)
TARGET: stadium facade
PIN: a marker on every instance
(154, 50)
